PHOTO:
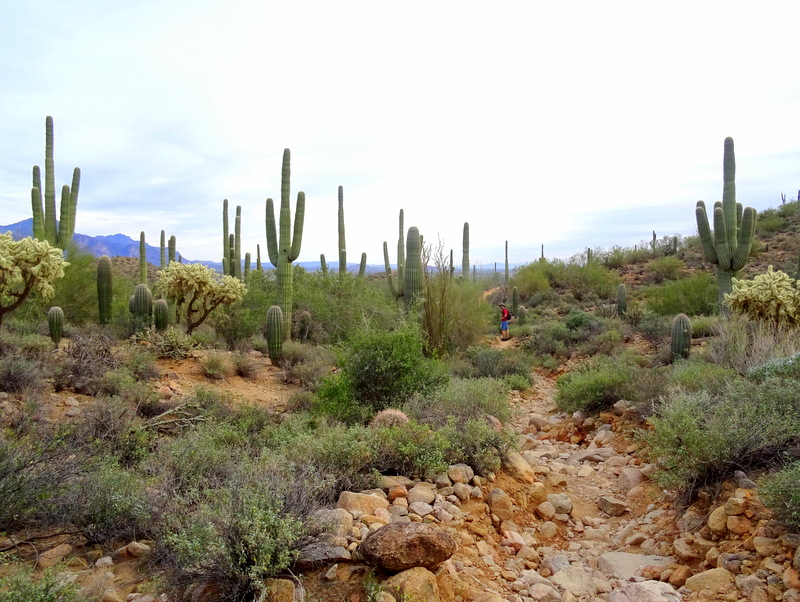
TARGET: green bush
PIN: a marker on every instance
(497, 363)
(784, 367)
(244, 365)
(780, 492)
(20, 585)
(617, 256)
(412, 449)
(668, 267)
(476, 443)
(693, 296)
(531, 279)
(770, 221)
(306, 364)
(745, 345)
(383, 369)
(594, 385)
(18, 375)
(461, 400)
(700, 375)
(239, 322)
(701, 437)
(215, 366)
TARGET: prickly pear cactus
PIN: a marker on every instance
(681, 336)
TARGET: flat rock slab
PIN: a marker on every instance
(626, 565)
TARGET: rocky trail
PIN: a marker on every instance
(572, 516)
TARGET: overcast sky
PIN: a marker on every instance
(568, 124)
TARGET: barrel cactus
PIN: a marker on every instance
(681, 337)
(55, 322)
(275, 324)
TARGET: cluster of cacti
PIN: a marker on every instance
(274, 331)
(104, 288)
(283, 246)
(232, 244)
(728, 246)
(44, 220)
(772, 297)
(396, 291)
(55, 323)
(389, 418)
(622, 300)
(161, 314)
(681, 336)
(362, 268)
(465, 251)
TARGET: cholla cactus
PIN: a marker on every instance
(772, 297)
(388, 418)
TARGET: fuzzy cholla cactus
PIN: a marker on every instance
(771, 297)
(388, 418)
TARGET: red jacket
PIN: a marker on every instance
(504, 314)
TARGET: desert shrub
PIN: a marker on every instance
(246, 532)
(110, 383)
(497, 363)
(517, 382)
(653, 327)
(140, 362)
(594, 385)
(244, 365)
(112, 424)
(617, 256)
(461, 400)
(702, 437)
(383, 369)
(579, 320)
(29, 345)
(215, 366)
(21, 585)
(549, 338)
(668, 267)
(744, 345)
(785, 367)
(341, 307)
(412, 449)
(590, 282)
(239, 322)
(704, 326)
(770, 221)
(693, 296)
(700, 375)
(172, 343)
(476, 443)
(89, 357)
(35, 468)
(18, 374)
(306, 364)
(530, 279)
(108, 503)
(780, 493)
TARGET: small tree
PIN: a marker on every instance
(198, 290)
(27, 266)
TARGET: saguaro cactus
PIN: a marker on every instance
(104, 288)
(275, 323)
(226, 246)
(622, 300)
(163, 248)
(44, 220)
(681, 336)
(515, 301)
(161, 314)
(142, 301)
(237, 245)
(171, 249)
(284, 247)
(396, 291)
(342, 243)
(413, 273)
(55, 322)
(142, 259)
(728, 246)
(465, 252)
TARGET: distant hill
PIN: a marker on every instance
(121, 245)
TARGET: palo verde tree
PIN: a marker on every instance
(44, 220)
(27, 266)
(728, 246)
(198, 290)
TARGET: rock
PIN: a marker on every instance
(575, 580)
(422, 492)
(388, 481)
(766, 546)
(645, 591)
(279, 590)
(518, 467)
(545, 510)
(552, 564)
(319, 553)
(396, 491)
(336, 521)
(562, 504)
(460, 473)
(713, 580)
(718, 520)
(401, 546)
(500, 504)
(420, 508)
(626, 566)
(110, 595)
(462, 491)
(740, 525)
(543, 592)
(103, 562)
(54, 555)
(137, 549)
(360, 502)
(548, 530)
(629, 478)
(413, 584)
(611, 505)
(684, 550)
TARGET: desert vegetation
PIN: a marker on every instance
(394, 374)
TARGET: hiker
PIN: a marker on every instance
(505, 315)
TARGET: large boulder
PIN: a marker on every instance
(414, 584)
(401, 546)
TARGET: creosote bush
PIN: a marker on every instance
(780, 493)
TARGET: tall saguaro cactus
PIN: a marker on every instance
(465, 252)
(104, 288)
(44, 220)
(284, 246)
(413, 272)
(728, 246)
(396, 291)
(226, 246)
(342, 243)
(142, 259)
